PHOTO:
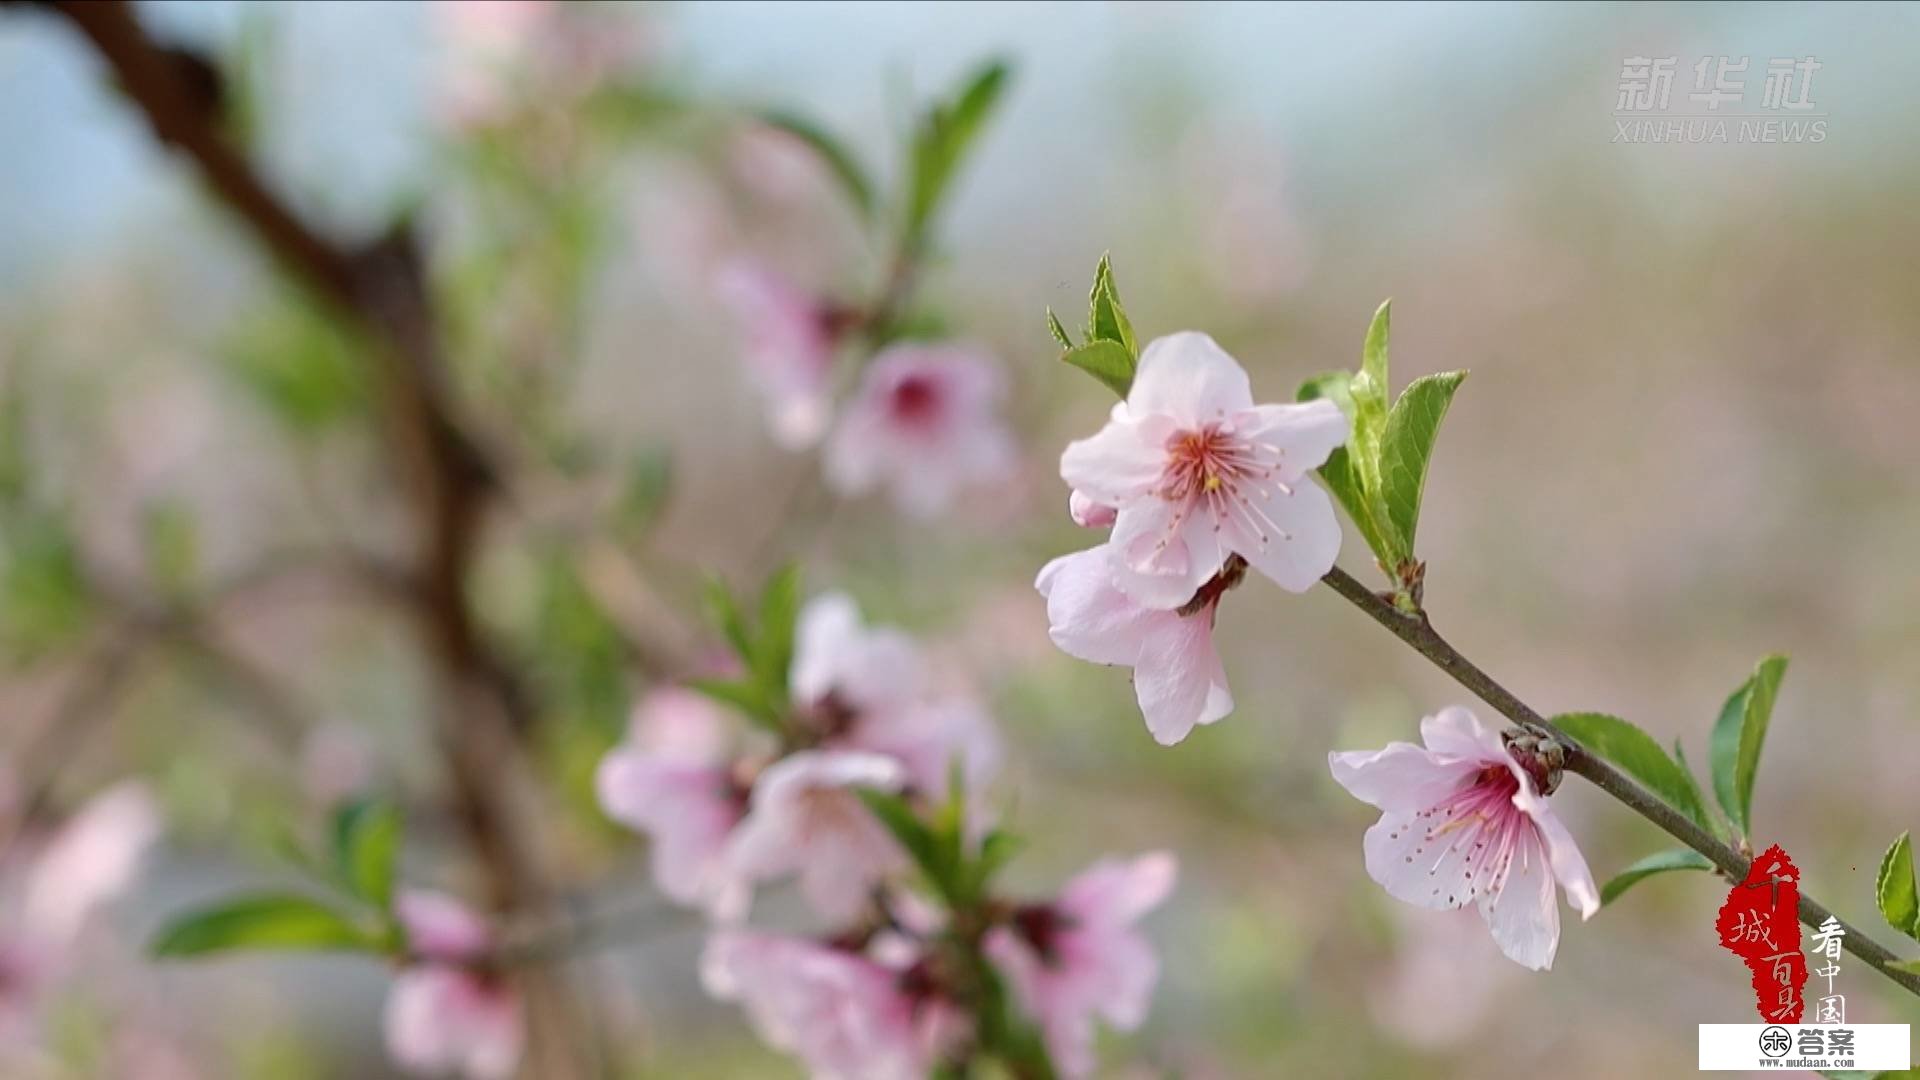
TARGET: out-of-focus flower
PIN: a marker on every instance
(804, 818)
(842, 665)
(1081, 956)
(1177, 675)
(486, 45)
(49, 890)
(789, 348)
(847, 1017)
(865, 688)
(1463, 822)
(442, 1016)
(673, 780)
(1196, 471)
(336, 764)
(924, 425)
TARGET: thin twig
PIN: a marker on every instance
(1418, 631)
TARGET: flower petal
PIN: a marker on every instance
(1178, 679)
(1563, 855)
(1522, 914)
(1402, 778)
(1162, 554)
(1456, 732)
(1187, 376)
(1116, 892)
(1303, 433)
(1291, 538)
(1122, 461)
(1089, 617)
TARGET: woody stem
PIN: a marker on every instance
(1417, 631)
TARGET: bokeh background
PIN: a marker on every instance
(1688, 440)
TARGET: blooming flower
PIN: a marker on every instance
(864, 688)
(672, 779)
(847, 1017)
(441, 1015)
(924, 424)
(790, 343)
(1196, 471)
(805, 818)
(1081, 956)
(1464, 822)
(1177, 675)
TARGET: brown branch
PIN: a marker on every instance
(1417, 630)
(384, 289)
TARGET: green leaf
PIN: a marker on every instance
(1658, 863)
(743, 695)
(941, 142)
(1894, 890)
(1059, 332)
(1369, 395)
(1106, 318)
(1739, 735)
(366, 845)
(46, 601)
(839, 160)
(1693, 786)
(727, 615)
(1408, 445)
(919, 841)
(268, 921)
(1108, 361)
(779, 613)
(1342, 478)
(1639, 756)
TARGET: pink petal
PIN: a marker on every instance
(685, 809)
(1190, 378)
(1090, 618)
(1123, 461)
(1163, 553)
(1179, 680)
(1458, 733)
(1563, 855)
(834, 653)
(681, 724)
(91, 860)
(1522, 915)
(440, 926)
(1305, 433)
(1089, 514)
(805, 818)
(1115, 892)
(1403, 778)
(1291, 538)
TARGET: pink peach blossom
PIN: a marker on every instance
(1089, 514)
(1464, 823)
(1177, 675)
(790, 346)
(1196, 472)
(845, 1016)
(673, 780)
(925, 426)
(1081, 956)
(805, 818)
(442, 1016)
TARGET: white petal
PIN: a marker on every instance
(1457, 733)
(1292, 539)
(1523, 917)
(1088, 616)
(1178, 679)
(1403, 778)
(1304, 433)
(1418, 868)
(1122, 461)
(1162, 556)
(1188, 377)
(1563, 855)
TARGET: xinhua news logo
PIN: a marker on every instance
(1745, 1047)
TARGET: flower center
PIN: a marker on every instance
(1214, 468)
(915, 401)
